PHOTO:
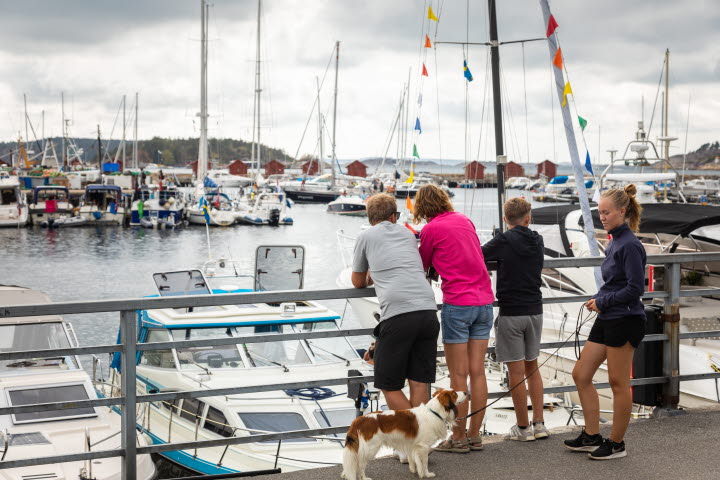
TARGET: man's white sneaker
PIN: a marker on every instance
(539, 430)
(521, 434)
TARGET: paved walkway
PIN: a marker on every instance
(684, 447)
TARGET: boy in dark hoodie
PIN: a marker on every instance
(519, 252)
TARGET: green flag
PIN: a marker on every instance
(583, 123)
(415, 152)
(141, 209)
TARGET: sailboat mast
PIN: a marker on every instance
(334, 157)
(27, 141)
(320, 129)
(497, 110)
(135, 140)
(255, 161)
(62, 113)
(203, 148)
(123, 135)
(666, 107)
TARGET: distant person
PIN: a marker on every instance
(618, 329)
(406, 337)
(450, 245)
(519, 252)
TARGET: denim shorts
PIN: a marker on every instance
(461, 323)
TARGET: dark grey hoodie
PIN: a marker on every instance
(519, 253)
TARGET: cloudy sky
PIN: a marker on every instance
(97, 50)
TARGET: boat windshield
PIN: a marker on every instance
(284, 353)
(222, 356)
(35, 336)
(52, 194)
(326, 350)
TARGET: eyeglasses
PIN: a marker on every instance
(397, 215)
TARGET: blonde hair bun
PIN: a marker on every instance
(631, 190)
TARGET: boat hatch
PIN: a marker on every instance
(279, 267)
(49, 394)
(184, 282)
(275, 422)
(35, 336)
(23, 439)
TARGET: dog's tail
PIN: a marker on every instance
(351, 461)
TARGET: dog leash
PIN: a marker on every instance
(576, 333)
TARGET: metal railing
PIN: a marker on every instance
(129, 347)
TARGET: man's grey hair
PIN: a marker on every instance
(380, 207)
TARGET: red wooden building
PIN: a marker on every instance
(238, 167)
(194, 165)
(513, 169)
(547, 168)
(310, 167)
(474, 170)
(356, 169)
(273, 167)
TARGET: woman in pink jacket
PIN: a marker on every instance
(449, 244)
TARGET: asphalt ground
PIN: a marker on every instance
(679, 447)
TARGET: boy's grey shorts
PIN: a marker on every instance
(518, 337)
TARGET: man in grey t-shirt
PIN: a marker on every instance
(386, 255)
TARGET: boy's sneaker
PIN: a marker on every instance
(539, 430)
(609, 450)
(585, 442)
(453, 446)
(521, 434)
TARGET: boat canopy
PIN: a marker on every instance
(559, 180)
(554, 215)
(671, 218)
(641, 177)
(41, 192)
(103, 188)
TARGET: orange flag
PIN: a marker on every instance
(408, 203)
(427, 42)
(424, 71)
(558, 62)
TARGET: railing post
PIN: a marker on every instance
(671, 347)
(128, 337)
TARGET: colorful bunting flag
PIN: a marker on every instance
(552, 25)
(588, 165)
(466, 72)
(427, 42)
(408, 203)
(411, 178)
(583, 123)
(566, 91)
(557, 61)
(424, 71)
(417, 124)
(415, 152)
(419, 99)
(431, 15)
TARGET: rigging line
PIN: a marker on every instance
(527, 134)
(657, 93)
(552, 106)
(312, 110)
(437, 85)
(687, 127)
(511, 130)
(482, 118)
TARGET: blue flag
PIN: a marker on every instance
(588, 165)
(417, 124)
(205, 209)
(466, 72)
(208, 183)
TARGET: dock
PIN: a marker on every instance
(680, 447)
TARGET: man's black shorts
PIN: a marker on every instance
(406, 348)
(617, 332)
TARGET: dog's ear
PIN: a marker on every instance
(437, 392)
(454, 396)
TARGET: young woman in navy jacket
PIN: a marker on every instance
(618, 328)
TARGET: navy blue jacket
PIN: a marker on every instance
(623, 272)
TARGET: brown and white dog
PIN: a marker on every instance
(410, 432)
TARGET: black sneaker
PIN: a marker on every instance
(585, 442)
(609, 450)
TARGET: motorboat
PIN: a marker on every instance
(14, 211)
(351, 205)
(53, 379)
(215, 208)
(405, 189)
(267, 208)
(102, 205)
(314, 190)
(518, 183)
(50, 202)
(563, 189)
(157, 207)
(701, 186)
(225, 179)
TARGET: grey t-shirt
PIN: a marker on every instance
(389, 251)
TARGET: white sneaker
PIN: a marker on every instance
(521, 434)
(539, 430)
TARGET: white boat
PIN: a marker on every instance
(49, 203)
(518, 183)
(54, 379)
(222, 211)
(223, 178)
(267, 208)
(701, 186)
(102, 205)
(14, 211)
(162, 208)
(352, 205)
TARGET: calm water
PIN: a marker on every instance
(106, 263)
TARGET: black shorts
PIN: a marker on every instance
(406, 348)
(617, 332)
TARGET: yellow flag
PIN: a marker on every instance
(431, 15)
(411, 178)
(567, 90)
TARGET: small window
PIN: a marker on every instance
(335, 418)
(275, 422)
(192, 409)
(158, 358)
(216, 422)
(64, 393)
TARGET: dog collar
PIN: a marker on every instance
(435, 413)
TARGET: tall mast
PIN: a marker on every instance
(135, 139)
(203, 150)
(497, 111)
(666, 108)
(123, 134)
(334, 157)
(27, 140)
(64, 148)
(320, 129)
(255, 160)
(100, 159)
